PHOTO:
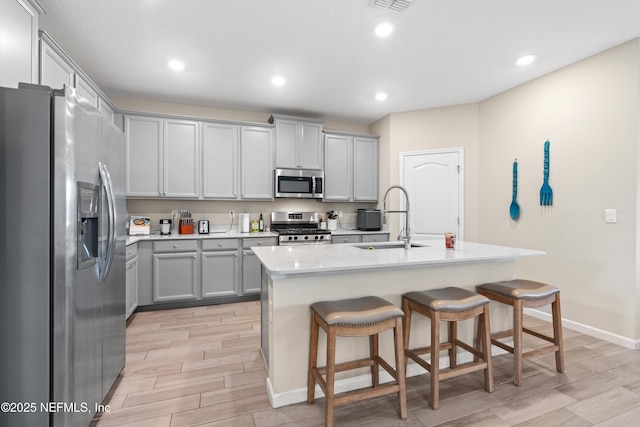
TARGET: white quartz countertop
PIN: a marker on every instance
(305, 259)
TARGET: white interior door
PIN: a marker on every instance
(433, 180)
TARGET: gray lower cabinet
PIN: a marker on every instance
(360, 238)
(372, 238)
(251, 266)
(131, 279)
(197, 270)
(220, 272)
(175, 270)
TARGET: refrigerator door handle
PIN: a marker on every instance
(111, 224)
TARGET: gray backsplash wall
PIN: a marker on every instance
(217, 212)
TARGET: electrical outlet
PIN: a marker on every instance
(610, 216)
(340, 214)
(232, 214)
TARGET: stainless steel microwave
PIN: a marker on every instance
(298, 183)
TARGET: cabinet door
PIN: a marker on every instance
(310, 147)
(365, 169)
(219, 273)
(18, 43)
(144, 156)
(181, 168)
(175, 276)
(132, 286)
(287, 144)
(251, 272)
(256, 152)
(219, 161)
(54, 70)
(86, 91)
(338, 168)
(106, 110)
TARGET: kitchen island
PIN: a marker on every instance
(293, 278)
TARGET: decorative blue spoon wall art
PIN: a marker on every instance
(514, 209)
(546, 194)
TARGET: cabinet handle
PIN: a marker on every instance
(220, 244)
(194, 257)
(259, 243)
(130, 267)
(175, 246)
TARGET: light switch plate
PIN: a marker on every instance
(610, 216)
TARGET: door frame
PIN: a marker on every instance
(460, 152)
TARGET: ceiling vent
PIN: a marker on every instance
(393, 5)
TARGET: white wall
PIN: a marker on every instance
(425, 130)
(589, 113)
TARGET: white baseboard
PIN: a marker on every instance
(588, 330)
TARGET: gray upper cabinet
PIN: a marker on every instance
(256, 163)
(19, 55)
(144, 156)
(220, 160)
(351, 167)
(365, 169)
(55, 71)
(298, 142)
(338, 174)
(181, 158)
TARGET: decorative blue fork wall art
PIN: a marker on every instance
(546, 194)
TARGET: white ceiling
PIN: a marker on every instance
(443, 52)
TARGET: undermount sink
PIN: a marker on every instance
(387, 245)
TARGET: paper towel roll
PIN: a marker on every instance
(245, 221)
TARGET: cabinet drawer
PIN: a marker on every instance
(259, 241)
(366, 238)
(176, 246)
(351, 238)
(132, 251)
(219, 244)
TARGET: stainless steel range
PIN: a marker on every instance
(299, 228)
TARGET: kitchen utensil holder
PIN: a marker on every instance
(186, 226)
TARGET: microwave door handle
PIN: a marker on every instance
(313, 185)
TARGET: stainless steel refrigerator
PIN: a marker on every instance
(62, 257)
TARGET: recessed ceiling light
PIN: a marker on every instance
(278, 81)
(384, 29)
(381, 96)
(526, 59)
(175, 65)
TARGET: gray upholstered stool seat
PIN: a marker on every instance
(356, 312)
(520, 294)
(452, 305)
(367, 316)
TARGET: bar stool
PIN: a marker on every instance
(366, 316)
(449, 304)
(520, 294)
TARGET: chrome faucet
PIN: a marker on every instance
(405, 233)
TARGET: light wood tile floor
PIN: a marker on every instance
(202, 366)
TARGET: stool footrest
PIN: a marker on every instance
(462, 369)
(357, 395)
(540, 351)
(538, 334)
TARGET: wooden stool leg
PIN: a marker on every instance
(406, 327)
(331, 373)
(453, 351)
(434, 396)
(517, 342)
(485, 347)
(557, 333)
(400, 368)
(313, 359)
(373, 354)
